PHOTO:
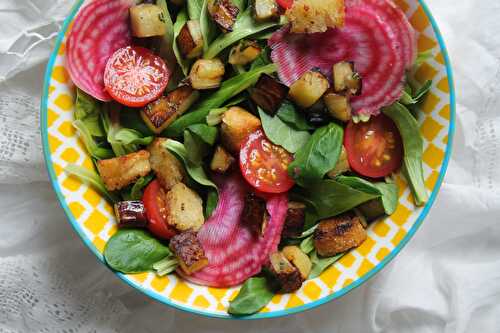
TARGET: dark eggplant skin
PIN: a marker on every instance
(295, 219)
(131, 214)
(224, 13)
(254, 214)
(269, 94)
(189, 251)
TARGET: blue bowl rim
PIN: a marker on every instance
(274, 314)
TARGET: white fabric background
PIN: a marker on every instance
(446, 280)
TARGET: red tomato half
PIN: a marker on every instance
(374, 148)
(265, 165)
(287, 4)
(134, 76)
(154, 202)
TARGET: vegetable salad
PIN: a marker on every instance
(237, 145)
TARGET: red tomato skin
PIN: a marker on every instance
(250, 144)
(287, 4)
(384, 123)
(140, 55)
(157, 224)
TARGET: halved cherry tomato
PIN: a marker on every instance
(264, 165)
(154, 202)
(134, 76)
(374, 148)
(287, 4)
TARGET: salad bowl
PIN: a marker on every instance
(92, 216)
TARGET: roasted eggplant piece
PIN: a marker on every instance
(189, 251)
(309, 88)
(146, 20)
(338, 105)
(255, 214)
(221, 161)
(265, 10)
(130, 214)
(338, 234)
(346, 79)
(288, 278)
(224, 13)
(168, 169)
(299, 259)
(237, 124)
(118, 172)
(206, 74)
(341, 166)
(295, 219)
(190, 40)
(269, 94)
(159, 114)
(244, 53)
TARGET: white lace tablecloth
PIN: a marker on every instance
(446, 280)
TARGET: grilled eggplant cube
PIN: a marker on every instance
(299, 259)
(341, 166)
(147, 20)
(309, 88)
(131, 214)
(338, 234)
(168, 169)
(346, 79)
(207, 74)
(184, 208)
(221, 161)
(287, 276)
(118, 172)
(338, 106)
(224, 13)
(269, 94)
(266, 10)
(190, 40)
(159, 114)
(244, 53)
(254, 214)
(237, 124)
(295, 220)
(188, 250)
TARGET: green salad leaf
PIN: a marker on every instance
(209, 29)
(307, 244)
(211, 203)
(87, 110)
(166, 266)
(319, 264)
(166, 50)
(245, 26)
(134, 251)
(291, 117)
(95, 150)
(208, 134)
(228, 90)
(413, 145)
(253, 296)
(184, 64)
(194, 9)
(281, 134)
(140, 184)
(318, 156)
(92, 179)
(130, 118)
(196, 149)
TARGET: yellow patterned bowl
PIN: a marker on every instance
(92, 217)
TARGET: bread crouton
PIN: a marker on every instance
(184, 208)
(168, 169)
(118, 172)
(237, 124)
(309, 16)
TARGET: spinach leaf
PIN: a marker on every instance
(307, 244)
(318, 156)
(196, 172)
(413, 145)
(211, 203)
(214, 117)
(130, 118)
(87, 110)
(179, 23)
(281, 134)
(166, 266)
(262, 60)
(330, 198)
(245, 26)
(94, 149)
(209, 29)
(253, 296)
(307, 232)
(241, 4)
(207, 134)
(319, 265)
(127, 136)
(291, 117)
(196, 149)
(92, 179)
(166, 50)
(423, 57)
(194, 8)
(408, 98)
(141, 183)
(229, 89)
(134, 251)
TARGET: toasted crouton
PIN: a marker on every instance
(118, 172)
(184, 208)
(309, 16)
(167, 167)
(287, 276)
(338, 234)
(237, 124)
(221, 161)
(188, 250)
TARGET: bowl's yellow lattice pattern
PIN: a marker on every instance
(95, 216)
